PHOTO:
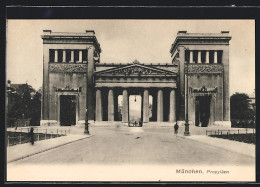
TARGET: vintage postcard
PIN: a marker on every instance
(130, 100)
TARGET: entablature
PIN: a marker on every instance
(88, 38)
(136, 85)
(184, 38)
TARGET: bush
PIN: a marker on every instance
(11, 122)
(34, 121)
(246, 138)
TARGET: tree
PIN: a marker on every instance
(239, 107)
(26, 104)
(22, 101)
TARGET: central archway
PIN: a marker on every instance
(135, 109)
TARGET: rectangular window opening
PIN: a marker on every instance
(51, 55)
(68, 55)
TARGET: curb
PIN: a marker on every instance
(22, 157)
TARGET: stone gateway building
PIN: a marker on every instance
(195, 83)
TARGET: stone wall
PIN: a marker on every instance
(71, 80)
(209, 81)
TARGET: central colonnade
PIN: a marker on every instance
(163, 104)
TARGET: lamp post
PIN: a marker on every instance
(23, 119)
(86, 123)
(186, 132)
(86, 117)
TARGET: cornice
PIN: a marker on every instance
(60, 39)
(200, 37)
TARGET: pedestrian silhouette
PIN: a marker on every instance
(16, 126)
(31, 136)
(176, 127)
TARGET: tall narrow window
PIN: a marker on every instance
(187, 56)
(59, 55)
(76, 55)
(211, 57)
(220, 53)
(203, 56)
(51, 55)
(195, 56)
(84, 55)
(68, 55)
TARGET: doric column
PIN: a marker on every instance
(146, 106)
(125, 106)
(160, 106)
(191, 56)
(99, 109)
(172, 113)
(63, 56)
(91, 86)
(215, 57)
(111, 109)
(207, 57)
(199, 57)
(55, 55)
(80, 55)
(71, 56)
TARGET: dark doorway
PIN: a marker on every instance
(67, 110)
(202, 110)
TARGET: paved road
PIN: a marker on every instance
(136, 146)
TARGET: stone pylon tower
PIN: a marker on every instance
(203, 60)
(68, 65)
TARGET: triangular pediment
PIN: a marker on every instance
(134, 69)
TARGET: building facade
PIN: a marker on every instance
(195, 83)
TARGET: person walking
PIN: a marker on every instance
(176, 127)
(31, 136)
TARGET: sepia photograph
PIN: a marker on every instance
(156, 100)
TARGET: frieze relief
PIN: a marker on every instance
(204, 68)
(68, 68)
(136, 70)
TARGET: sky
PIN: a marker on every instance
(123, 41)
